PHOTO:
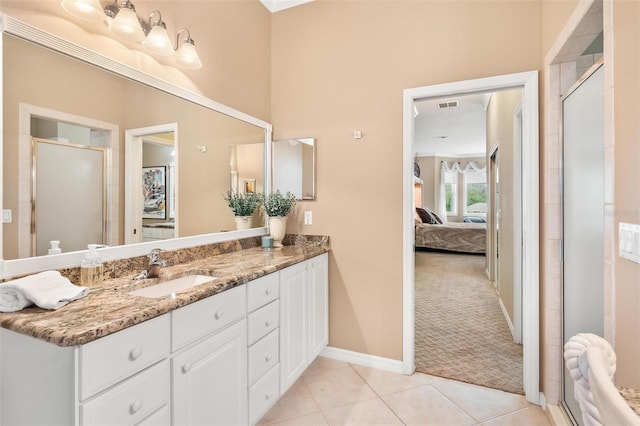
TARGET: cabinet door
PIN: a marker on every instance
(293, 324)
(210, 380)
(318, 305)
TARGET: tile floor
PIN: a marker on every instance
(333, 392)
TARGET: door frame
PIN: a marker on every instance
(529, 214)
(492, 222)
(133, 139)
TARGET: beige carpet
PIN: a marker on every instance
(460, 330)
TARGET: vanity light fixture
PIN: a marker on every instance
(89, 10)
(126, 23)
(158, 40)
(123, 20)
(186, 54)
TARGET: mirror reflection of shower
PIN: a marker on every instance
(294, 167)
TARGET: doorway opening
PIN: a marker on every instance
(151, 163)
(527, 214)
(35, 121)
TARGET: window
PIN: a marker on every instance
(451, 192)
(475, 193)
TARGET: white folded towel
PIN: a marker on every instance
(48, 290)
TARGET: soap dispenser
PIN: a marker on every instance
(91, 269)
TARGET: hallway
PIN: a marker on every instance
(460, 330)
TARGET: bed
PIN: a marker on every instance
(453, 236)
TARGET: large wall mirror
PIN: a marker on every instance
(294, 167)
(176, 140)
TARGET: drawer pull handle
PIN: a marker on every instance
(135, 406)
(267, 358)
(267, 323)
(219, 313)
(268, 395)
(135, 353)
(186, 367)
(267, 291)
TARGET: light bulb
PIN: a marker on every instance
(89, 10)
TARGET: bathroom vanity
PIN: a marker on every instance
(221, 352)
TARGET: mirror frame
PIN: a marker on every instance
(10, 268)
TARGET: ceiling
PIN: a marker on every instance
(456, 131)
(278, 5)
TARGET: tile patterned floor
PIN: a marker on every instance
(333, 392)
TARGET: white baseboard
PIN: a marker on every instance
(506, 317)
(366, 360)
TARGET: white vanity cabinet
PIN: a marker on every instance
(209, 361)
(224, 360)
(263, 318)
(304, 303)
(119, 379)
(209, 380)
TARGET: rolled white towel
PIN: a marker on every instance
(48, 290)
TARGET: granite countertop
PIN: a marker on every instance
(112, 309)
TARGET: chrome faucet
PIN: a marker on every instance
(153, 267)
(155, 263)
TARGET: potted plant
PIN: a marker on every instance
(243, 204)
(277, 206)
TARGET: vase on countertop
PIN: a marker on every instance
(243, 222)
(277, 228)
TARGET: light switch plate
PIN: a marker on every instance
(308, 217)
(7, 216)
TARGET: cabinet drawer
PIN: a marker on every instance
(264, 394)
(201, 318)
(162, 417)
(263, 355)
(262, 291)
(106, 361)
(155, 233)
(263, 321)
(131, 401)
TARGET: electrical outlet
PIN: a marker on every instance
(308, 218)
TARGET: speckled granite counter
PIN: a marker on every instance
(112, 309)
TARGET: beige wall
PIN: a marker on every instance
(500, 133)
(626, 150)
(341, 65)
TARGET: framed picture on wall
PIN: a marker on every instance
(249, 186)
(154, 192)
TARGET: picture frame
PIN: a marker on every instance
(154, 192)
(249, 186)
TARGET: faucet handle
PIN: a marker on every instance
(154, 257)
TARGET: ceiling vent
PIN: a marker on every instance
(447, 104)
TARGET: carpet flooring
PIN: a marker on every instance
(460, 331)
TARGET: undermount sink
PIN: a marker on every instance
(171, 287)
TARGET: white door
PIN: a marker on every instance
(318, 305)
(210, 380)
(583, 216)
(293, 324)
(70, 202)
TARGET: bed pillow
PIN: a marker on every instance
(425, 216)
(417, 219)
(436, 217)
